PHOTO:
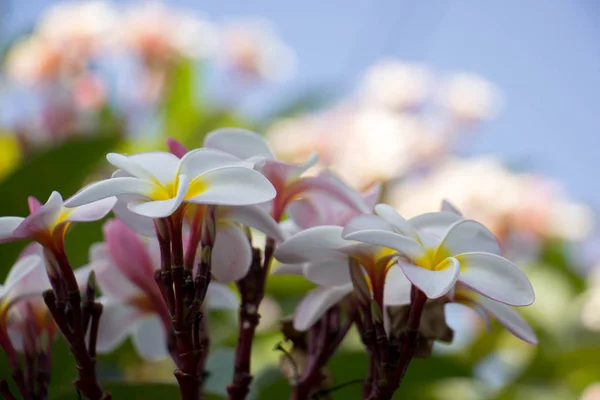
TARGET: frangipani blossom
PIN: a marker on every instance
(159, 182)
(325, 257)
(442, 248)
(22, 309)
(133, 304)
(47, 224)
(285, 177)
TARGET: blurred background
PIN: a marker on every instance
(491, 105)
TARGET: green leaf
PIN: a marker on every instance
(63, 168)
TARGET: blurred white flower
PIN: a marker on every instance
(158, 33)
(395, 85)
(253, 48)
(33, 59)
(470, 98)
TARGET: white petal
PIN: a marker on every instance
(129, 166)
(161, 165)
(434, 284)
(364, 222)
(92, 211)
(288, 269)
(82, 275)
(328, 272)
(449, 207)
(510, 319)
(27, 277)
(231, 254)
(396, 220)
(313, 244)
(495, 277)
(138, 223)
(116, 321)
(404, 245)
(162, 208)
(111, 187)
(467, 236)
(234, 186)
(222, 297)
(149, 338)
(200, 161)
(7, 226)
(255, 217)
(397, 288)
(432, 227)
(316, 303)
(241, 143)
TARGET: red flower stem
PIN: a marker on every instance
(410, 341)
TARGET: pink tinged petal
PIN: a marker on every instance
(391, 216)
(397, 288)
(92, 211)
(402, 244)
(316, 303)
(34, 204)
(8, 226)
(495, 277)
(366, 222)
(140, 224)
(432, 227)
(434, 283)
(281, 172)
(200, 161)
(241, 143)
(128, 252)
(231, 254)
(26, 278)
(510, 319)
(255, 217)
(16, 339)
(114, 326)
(176, 147)
(112, 187)
(222, 297)
(467, 236)
(149, 338)
(235, 186)
(447, 206)
(372, 195)
(328, 272)
(330, 187)
(305, 213)
(82, 275)
(313, 244)
(43, 219)
(162, 208)
(161, 165)
(111, 281)
(288, 269)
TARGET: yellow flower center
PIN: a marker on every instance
(169, 190)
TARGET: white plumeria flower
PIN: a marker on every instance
(48, 223)
(286, 177)
(133, 304)
(157, 183)
(23, 312)
(325, 256)
(440, 249)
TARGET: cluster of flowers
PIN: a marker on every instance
(81, 51)
(183, 231)
(401, 126)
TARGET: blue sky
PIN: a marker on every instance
(544, 54)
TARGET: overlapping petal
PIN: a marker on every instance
(316, 303)
(150, 339)
(434, 283)
(510, 319)
(7, 228)
(231, 254)
(469, 236)
(253, 216)
(313, 244)
(162, 208)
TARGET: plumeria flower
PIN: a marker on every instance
(158, 183)
(133, 304)
(22, 309)
(325, 256)
(443, 248)
(286, 178)
(232, 252)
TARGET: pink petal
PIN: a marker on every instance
(7, 228)
(41, 220)
(176, 147)
(241, 143)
